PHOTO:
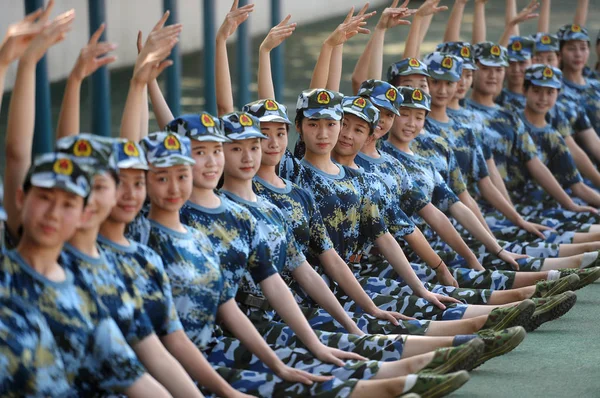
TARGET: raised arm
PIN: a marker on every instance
(581, 13)
(419, 27)
(234, 18)
(509, 13)
(92, 56)
(144, 114)
(452, 32)
(512, 25)
(340, 35)
(21, 111)
(479, 26)
(150, 63)
(274, 38)
(544, 19)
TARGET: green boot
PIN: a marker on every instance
(499, 343)
(453, 359)
(552, 288)
(505, 317)
(586, 275)
(550, 308)
(433, 386)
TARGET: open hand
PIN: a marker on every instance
(51, 34)
(299, 376)
(335, 356)
(394, 15)
(444, 276)
(511, 258)
(526, 14)
(93, 56)
(429, 7)
(278, 34)
(352, 25)
(536, 229)
(390, 316)
(233, 19)
(438, 299)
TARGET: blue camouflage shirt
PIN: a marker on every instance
(509, 99)
(145, 269)
(511, 145)
(236, 239)
(95, 354)
(588, 96)
(119, 296)
(30, 364)
(571, 102)
(554, 153)
(467, 117)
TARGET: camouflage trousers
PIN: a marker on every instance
(267, 385)
(229, 352)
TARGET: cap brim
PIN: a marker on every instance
(449, 77)
(577, 36)
(414, 72)
(209, 138)
(546, 49)
(517, 58)
(493, 63)
(416, 106)
(175, 161)
(546, 83)
(323, 113)
(246, 136)
(274, 119)
(50, 183)
(358, 114)
(385, 105)
(126, 164)
(470, 66)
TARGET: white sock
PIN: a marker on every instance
(410, 382)
(553, 275)
(588, 258)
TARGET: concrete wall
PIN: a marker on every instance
(126, 17)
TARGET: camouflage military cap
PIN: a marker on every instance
(490, 54)
(544, 76)
(381, 94)
(242, 126)
(319, 103)
(61, 171)
(2, 211)
(520, 48)
(444, 66)
(415, 98)
(546, 42)
(199, 127)
(92, 151)
(268, 110)
(406, 67)
(166, 149)
(461, 49)
(573, 32)
(130, 155)
(362, 108)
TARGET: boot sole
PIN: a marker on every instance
(526, 307)
(465, 360)
(556, 311)
(505, 348)
(448, 386)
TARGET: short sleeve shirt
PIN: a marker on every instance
(588, 95)
(122, 299)
(95, 354)
(235, 237)
(510, 99)
(31, 363)
(145, 269)
(571, 102)
(195, 275)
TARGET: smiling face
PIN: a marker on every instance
(386, 121)
(320, 135)
(210, 162)
(353, 136)
(464, 84)
(575, 54)
(415, 81)
(50, 217)
(169, 187)
(488, 79)
(540, 99)
(101, 201)
(131, 194)
(409, 124)
(273, 148)
(441, 92)
(242, 158)
(547, 58)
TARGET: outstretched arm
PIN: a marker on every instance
(452, 32)
(21, 111)
(150, 63)
(544, 19)
(419, 27)
(92, 56)
(581, 13)
(275, 37)
(512, 25)
(479, 26)
(370, 63)
(233, 19)
(509, 13)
